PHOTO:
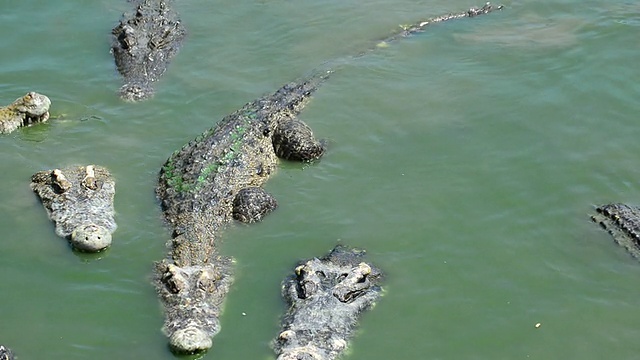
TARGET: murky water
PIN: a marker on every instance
(465, 160)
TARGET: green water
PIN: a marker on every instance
(465, 160)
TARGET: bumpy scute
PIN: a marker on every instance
(252, 204)
(294, 140)
(623, 223)
(144, 43)
(202, 187)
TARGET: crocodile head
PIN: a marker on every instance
(326, 298)
(33, 106)
(192, 296)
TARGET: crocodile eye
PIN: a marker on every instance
(28, 97)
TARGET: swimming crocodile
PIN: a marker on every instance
(326, 297)
(623, 223)
(218, 177)
(79, 200)
(209, 182)
(6, 353)
(143, 45)
(27, 110)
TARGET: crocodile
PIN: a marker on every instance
(623, 223)
(6, 353)
(32, 108)
(212, 180)
(217, 177)
(79, 200)
(144, 43)
(326, 297)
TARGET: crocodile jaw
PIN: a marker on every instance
(190, 340)
(90, 238)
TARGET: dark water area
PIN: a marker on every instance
(466, 160)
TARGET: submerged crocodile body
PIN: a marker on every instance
(27, 110)
(623, 223)
(79, 200)
(143, 45)
(326, 297)
(218, 177)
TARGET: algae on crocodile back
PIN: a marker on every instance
(180, 184)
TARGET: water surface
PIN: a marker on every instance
(465, 159)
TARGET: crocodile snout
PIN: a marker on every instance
(190, 340)
(90, 238)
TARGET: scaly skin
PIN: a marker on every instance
(79, 200)
(326, 297)
(6, 354)
(144, 44)
(214, 179)
(30, 109)
(623, 223)
(198, 186)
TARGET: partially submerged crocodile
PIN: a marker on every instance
(326, 297)
(27, 110)
(198, 187)
(6, 353)
(623, 223)
(143, 45)
(218, 177)
(79, 200)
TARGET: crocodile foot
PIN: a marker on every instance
(252, 204)
(294, 140)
